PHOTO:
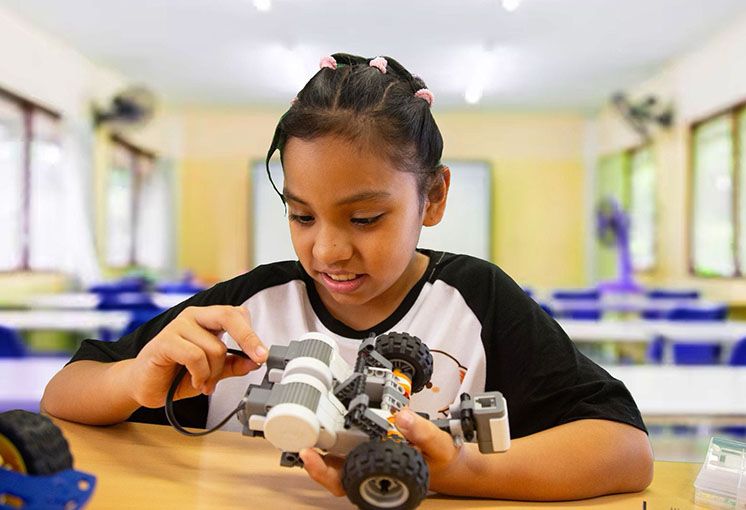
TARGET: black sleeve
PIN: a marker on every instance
(191, 412)
(544, 378)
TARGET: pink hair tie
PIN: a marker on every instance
(328, 61)
(426, 95)
(379, 63)
(293, 101)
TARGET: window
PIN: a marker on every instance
(31, 173)
(718, 197)
(629, 177)
(642, 208)
(138, 209)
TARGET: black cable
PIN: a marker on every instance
(170, 402)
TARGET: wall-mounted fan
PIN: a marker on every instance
(644, 114)
(133, 107)
(612, 229)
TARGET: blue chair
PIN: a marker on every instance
(690, 353)
(179, 288)
(700, 353)
(139, 304)
(738, 353)
(582, 314)
(11, 344)
(127, 284)
(672, 294)
(698, 313)
(654, 351)
(577, 294)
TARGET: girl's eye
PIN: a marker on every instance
(366, 221)
(301, 218)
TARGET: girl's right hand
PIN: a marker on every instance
(192, 339)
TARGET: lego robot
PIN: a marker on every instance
(311, 398)
(36, 467)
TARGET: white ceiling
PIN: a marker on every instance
(549, 54)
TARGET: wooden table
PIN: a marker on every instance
(150, 466)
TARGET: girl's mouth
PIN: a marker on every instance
(342, 283)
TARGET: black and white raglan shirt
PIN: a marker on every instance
(484, 332)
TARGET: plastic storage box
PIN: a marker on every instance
(721, 482)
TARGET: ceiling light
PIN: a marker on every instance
(511, 5)
(263, 5)
(474, 93)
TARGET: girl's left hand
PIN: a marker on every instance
(442, 456)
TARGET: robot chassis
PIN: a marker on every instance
(311, 398)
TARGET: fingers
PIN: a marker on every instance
(193, 358)
(435, 444)
(236, 366)
(324, 470)
(237, 322)
(214, 352)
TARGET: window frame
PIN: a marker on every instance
(135, 154)
(733, 112)
(29, 110)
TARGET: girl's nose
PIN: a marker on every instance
(331, 247)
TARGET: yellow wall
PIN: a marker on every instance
(538, 188)
(218, 147)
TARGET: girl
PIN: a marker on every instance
(362, 174)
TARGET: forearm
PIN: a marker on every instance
(90, 392)
(577, 460)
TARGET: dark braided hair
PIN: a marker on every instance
(360, 103)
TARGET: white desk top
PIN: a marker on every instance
(89, 300)
(23, 379)
(624, 303)
(64, 320)
(677, 390)
(643, 331)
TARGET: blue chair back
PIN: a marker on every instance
(128, 284)
(654, 351)
(179, 288)
(587, 294)
(738, 353)
(698, 313)
(672, 294)
(11, 344)
(582, 314)
(701, 353)
(139, 304)
(126, 301)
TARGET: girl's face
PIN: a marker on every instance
(354, 222)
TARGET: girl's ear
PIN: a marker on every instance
(435, 204)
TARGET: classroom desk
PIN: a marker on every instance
(686, 391)
(64, 320)
(152, 466)
(623, 303)
(22, 380)
(646, 330)
(89, 300)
